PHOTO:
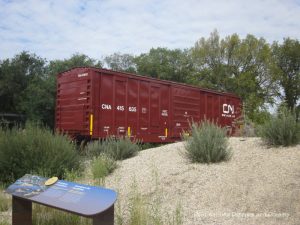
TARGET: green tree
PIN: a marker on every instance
(165, 64)
(287, 58)
(76, 60)
(15, 76)
(121, 62)
(28, 84)
(37, 101)
(240, 66)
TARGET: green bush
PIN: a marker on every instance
(35, 150)
(281, 130)
(102, 166)
(117, 148)
(94, 148)
(208, 143)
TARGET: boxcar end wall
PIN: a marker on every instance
(96, 103)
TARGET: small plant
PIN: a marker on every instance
(5, 201)
(148, 209)
(282, 129)
(138, 213)
(208, 143)
(121, 148)
(35, 150)
(102, 166)
(94, 148)
(117, 148)
(72, 175)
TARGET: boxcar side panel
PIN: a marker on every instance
(154, 109)
(164, 120)
(95, 109)
(185, 109)
(132, 107)
(143, 108)
(120, 106)
(106, 105)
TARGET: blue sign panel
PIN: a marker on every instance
(77, 198)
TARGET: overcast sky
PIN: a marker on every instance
(57, 29)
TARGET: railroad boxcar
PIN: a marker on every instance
(95, 103)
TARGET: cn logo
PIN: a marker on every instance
(228, 109)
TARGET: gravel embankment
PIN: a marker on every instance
(259, 185)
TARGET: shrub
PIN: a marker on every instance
(35, 150)
(208, 143)
(117, 148)
(281, 130)
(95, 148)
(102, 166)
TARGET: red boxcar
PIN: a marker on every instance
(94, 103)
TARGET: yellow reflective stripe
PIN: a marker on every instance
(166, 132)
(91, 124)
(128, 132)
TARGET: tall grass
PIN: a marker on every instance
(42, 215)
(5, 201)
(282, 130)
(147, 209)
(35, 150)
(102, 166)
(138, 212)
(117, 148)
(208, 143)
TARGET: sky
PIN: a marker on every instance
(97, 28)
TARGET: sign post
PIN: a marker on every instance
(93, 202)
(21, 211)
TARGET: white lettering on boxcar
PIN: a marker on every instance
(83, 75)
(144, 110)
(164, 112)
(120, 107)
(106, 106)
(132, 108)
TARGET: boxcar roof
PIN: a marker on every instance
(144, 77)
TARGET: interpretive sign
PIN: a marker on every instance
(80, 199)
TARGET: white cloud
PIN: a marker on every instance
(56, 29)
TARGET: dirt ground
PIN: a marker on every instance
(259, 185)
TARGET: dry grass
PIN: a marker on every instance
(5, 207)
(5, 201)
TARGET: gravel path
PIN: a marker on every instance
(258, 185)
